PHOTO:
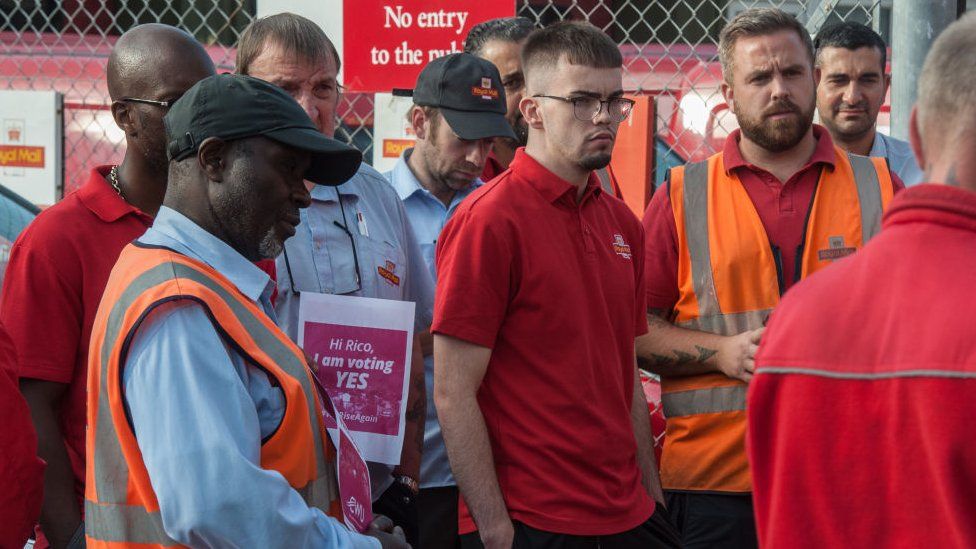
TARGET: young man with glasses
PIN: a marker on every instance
(354, 239)
(60, 264)
(539, 298)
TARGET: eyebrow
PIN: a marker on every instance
(595, 95)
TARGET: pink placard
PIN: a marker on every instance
(354, 487)
(363, 371)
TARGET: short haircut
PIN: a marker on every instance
(506, 29)
(947, 85)
(295, 34)
(581, 43)
(757, 22)
(851, 36)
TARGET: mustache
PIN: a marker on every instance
(861, 105)
(781, 106)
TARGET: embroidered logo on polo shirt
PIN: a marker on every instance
(836, 249)
(485, 91)
(620, 247)
(388, 272)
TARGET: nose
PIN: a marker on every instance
(478, 152)
(302, 195)
(309, 105)
(852, 93)
(779, 89)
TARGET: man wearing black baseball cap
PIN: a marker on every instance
(197, 448)
(459, 111)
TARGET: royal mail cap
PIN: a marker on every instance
(232, 106)
(468, 91)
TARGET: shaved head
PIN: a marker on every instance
(947, 88)
(150, 67)
(148, 55)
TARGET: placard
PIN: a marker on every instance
(360, 350)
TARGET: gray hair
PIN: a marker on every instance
(757, 22)
(947, 86)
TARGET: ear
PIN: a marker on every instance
(531, 112)
(728, 95)
(418, 122)
(817, 75)
(887, 83)
(212, 156)
(125, 117)
(915, 139)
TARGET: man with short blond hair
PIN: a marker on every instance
(726, 237)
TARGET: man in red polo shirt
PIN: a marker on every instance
(725, 238)
(59, 265)
(539, 298)
(861, 409)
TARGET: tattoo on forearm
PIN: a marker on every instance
(681, 357)
(417, 411)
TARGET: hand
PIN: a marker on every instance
(389, 536)
(311, 363)
(736, 355)
(500, 536)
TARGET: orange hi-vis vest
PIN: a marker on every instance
(121, 509)
(730, 278)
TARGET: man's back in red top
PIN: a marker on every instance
(860, 415)
(54, 281)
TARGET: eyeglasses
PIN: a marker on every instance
(163, 104)
(587, 108)
(344, 226)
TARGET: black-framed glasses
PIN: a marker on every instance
(163, 104)
(586, 108)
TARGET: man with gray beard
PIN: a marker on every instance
(726, 237)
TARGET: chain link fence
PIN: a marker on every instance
(669, 49)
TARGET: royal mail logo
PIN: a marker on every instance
(393, 148)
(485, 91)
(620, 247)
(836, 249)
(13, 134)
(21, 156)
(355, 509)
(388, 272)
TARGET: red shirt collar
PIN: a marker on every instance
(823, 153)
(941, 204)
(98, 196)
(548, 184)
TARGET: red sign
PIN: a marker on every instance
(19, 156)
(387, 42)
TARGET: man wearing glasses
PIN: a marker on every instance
(60, 264)
(354, 239)
(539, 298)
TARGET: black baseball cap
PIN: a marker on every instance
(233, 106)
(468, 91)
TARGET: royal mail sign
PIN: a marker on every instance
(31, 133)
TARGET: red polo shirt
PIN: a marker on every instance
(861, 411)
(55, 278)
(554, 288)
(782, 208)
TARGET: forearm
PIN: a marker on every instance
(669, 350)
(641, 421)
(415, 418)
(469, 451)
(60, 512)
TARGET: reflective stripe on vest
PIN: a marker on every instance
(705, 401)
(606, 183)
(113, 517)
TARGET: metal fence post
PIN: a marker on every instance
(914, 26)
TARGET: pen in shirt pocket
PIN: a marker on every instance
(361, 221)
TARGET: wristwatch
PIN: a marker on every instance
(410, 483)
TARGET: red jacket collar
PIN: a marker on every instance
(933, 203)
(98, 196)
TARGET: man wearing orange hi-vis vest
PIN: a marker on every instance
(726, 237)
(205, 426)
